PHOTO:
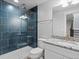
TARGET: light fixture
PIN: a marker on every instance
(69, 0)
(75, 1)
(16, 1)
(66, 3)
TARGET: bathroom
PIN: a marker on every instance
(39, 29)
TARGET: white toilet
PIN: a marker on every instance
(36, 53)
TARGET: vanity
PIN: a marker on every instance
(59, 49)
(64, 43)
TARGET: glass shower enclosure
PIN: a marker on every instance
(16, 33)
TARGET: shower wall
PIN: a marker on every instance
(16, 33)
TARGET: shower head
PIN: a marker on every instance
(24, 11)
(22, 6)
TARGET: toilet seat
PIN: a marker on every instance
(36, 51)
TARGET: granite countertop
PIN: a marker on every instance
(72, 45)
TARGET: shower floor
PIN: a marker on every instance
(17, 54)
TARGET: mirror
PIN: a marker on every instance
(66, 22)
(69, 26)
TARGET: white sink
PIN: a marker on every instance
(66, 44)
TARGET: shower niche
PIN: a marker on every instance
(15, 32)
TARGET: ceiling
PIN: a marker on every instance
(28, 3)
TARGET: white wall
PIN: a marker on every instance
(76, 21)
(45, 10)
(45, 27)
(57, 26)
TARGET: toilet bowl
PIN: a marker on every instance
(36, 53)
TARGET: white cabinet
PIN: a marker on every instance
(52, 55)
(56, 52)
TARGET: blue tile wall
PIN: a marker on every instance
(14, 32)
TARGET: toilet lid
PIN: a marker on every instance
(36, 51)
